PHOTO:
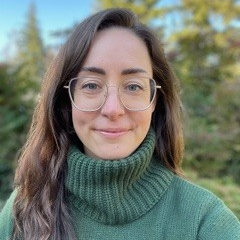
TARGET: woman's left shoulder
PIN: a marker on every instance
(187, 187)
(195, 194)
(215, 218)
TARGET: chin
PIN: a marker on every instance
(110, 152)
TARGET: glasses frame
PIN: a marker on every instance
(87, 110)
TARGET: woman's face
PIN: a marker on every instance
(113, 132)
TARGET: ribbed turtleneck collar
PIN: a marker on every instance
(117, 191)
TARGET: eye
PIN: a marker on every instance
(90, 86)
(133, 87)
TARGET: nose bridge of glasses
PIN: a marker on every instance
(112, 87)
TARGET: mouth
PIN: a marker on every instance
(112, 132)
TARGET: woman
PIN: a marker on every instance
(102, 160)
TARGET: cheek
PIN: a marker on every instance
(74, 117)
(79, 121)
(83, 122)
(143, 119)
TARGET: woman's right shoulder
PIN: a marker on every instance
(6, 218)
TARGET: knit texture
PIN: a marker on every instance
(116, 192)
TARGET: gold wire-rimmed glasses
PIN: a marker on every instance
(89, 94)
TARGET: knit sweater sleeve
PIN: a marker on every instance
(6, 219)
(218, 222)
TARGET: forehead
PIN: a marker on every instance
(118, 48)
(118, 37)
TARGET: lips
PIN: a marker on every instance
(112, 132)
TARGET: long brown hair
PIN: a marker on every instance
(41, 210)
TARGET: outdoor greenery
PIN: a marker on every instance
(202, 42)
(20, 81)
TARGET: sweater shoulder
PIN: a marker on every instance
(213, 218)
(193, 194)
(6, 218)
(187, 187)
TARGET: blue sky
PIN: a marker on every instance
(51, 15)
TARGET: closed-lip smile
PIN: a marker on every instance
(112, 132)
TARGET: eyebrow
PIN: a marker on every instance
(132, 71)
(101, 71)
(93, 70)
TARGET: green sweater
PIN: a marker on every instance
(137, 199)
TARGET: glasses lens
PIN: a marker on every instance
(137, 94)
(87, 94)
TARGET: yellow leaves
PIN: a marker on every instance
(147, 10)
(202, 10)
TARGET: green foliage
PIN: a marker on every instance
(226, 112)
(203, 147)
(15, 114)
(206, 61)
(20, 82)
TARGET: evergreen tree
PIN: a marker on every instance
(31, 54)
(19, 87)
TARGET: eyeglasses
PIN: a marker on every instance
(90, 93)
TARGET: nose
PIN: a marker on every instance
(112, 107)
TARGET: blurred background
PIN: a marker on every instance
(202, 42)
